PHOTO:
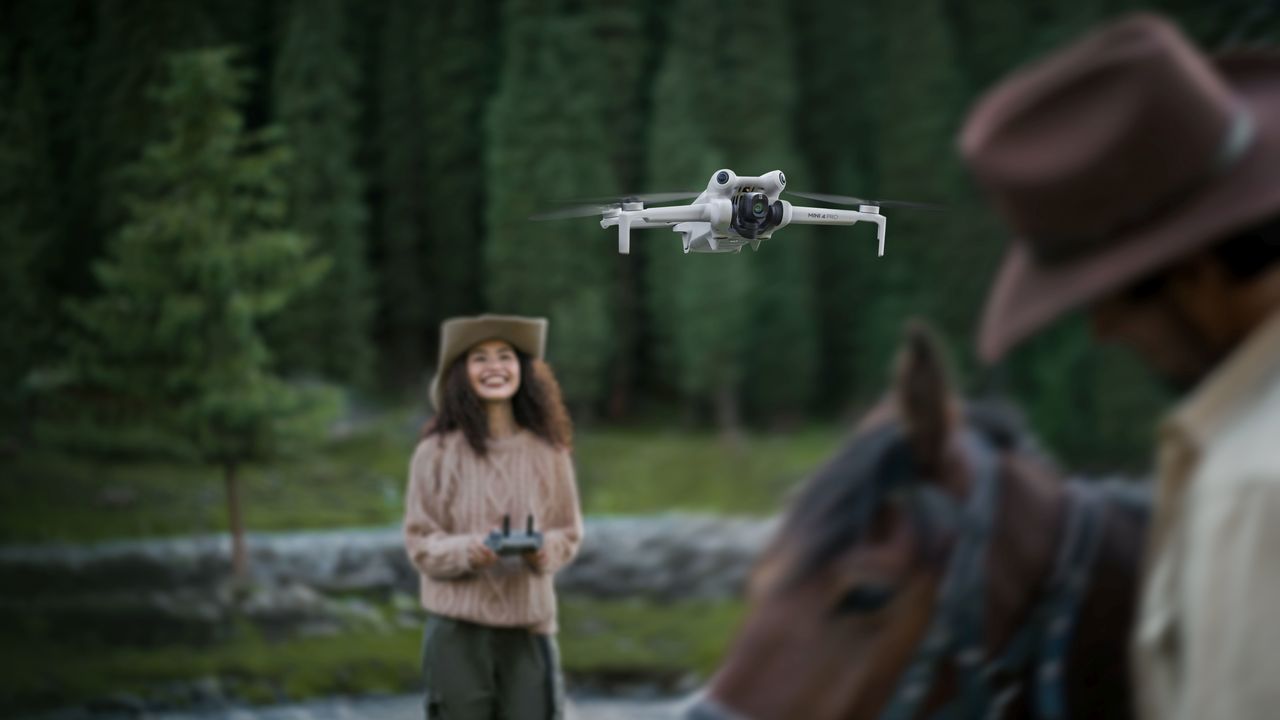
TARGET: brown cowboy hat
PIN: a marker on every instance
(460, 334)
(1115, 157)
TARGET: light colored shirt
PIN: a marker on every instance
(1207, 640)
(456, 497)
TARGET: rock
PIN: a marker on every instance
(119, 703)
(665, 557)
(322, 583)
(207, 691)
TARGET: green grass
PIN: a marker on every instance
(629, 637)
(640, 636)
(638, 471)
(43, 675)
(359, 481)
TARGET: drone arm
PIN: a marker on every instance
(831, 216)
(679, 213)
(652, 218)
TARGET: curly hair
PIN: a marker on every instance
(537, 405)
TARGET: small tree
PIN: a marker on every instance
(172, 345)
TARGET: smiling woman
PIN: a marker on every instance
(498, 448)
(494, 371)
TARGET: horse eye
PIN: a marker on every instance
(864, 599)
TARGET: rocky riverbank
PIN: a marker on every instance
(316, 583)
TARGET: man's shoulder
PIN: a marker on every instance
(1247, 449)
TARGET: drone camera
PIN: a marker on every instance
(754, 214)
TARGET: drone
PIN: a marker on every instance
(732, 212)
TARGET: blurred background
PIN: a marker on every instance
(231, 228)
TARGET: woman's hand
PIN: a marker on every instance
(479, 555)
(536, 559)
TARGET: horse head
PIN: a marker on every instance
(925, 570)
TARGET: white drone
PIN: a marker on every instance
(731, 213)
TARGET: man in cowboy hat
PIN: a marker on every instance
(1141, 180)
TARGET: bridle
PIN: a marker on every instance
(988, 684)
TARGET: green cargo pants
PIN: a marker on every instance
(477, 672)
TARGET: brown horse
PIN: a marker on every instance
(937, 568)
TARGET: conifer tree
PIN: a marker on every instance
(842, 150)
(401, 188)
(548, 143)
(458, 80)
(628, 51)
(171, 347)
(728, 320)
(130, 41)
(27, 227)
(930, 268)
(780, 361)
(326, 328)
(698, 304)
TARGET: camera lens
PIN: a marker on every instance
(722, 177)
(757, 208)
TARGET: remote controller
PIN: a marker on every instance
(504, 543)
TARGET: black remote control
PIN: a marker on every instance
(504, 543)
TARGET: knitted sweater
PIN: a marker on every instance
(455, 496)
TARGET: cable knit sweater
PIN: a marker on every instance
(455, 496)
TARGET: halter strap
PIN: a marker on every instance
(958, 624)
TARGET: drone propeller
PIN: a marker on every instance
(846, 200)
(586, 207)
(658, 197)
(572, 211)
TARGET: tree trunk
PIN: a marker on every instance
(239, 557)
(728, 415)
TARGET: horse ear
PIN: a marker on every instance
(923, 395)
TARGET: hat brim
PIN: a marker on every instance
(458, 335)
(1027, 296)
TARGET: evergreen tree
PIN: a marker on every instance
(735, 327)
(326, 328)
(841, 151)
(933, 266)
(991, 38)
(48, 37)
(172, 345)
(780, 364)
(629, 49)
(27, 226)
(548, 143)
(404, 208)
(699, 305)
(130, 41)
(459, 78)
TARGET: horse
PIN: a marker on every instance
(938, 567)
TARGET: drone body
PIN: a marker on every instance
(733, 212)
